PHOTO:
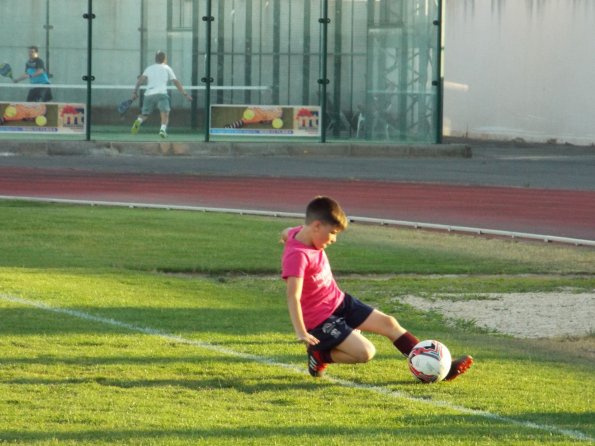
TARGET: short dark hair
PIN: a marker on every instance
(34, 48)
(160, 56)
(326, 210)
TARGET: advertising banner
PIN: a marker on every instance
(42, 117)
(265, 120)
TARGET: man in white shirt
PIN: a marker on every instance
(156, 77)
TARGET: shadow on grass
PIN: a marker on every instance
(247, 386)
(236, 321)
(84, 361)
(442, 429)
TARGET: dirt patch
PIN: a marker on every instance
(523, 315)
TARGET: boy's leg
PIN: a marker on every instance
(338, 343)
(388, 326)
(353, 350)
(149, 104)
(47, 95)
(164, 109)
(164, 118)
(164, 122)
(137, 123)
(317, 362)
(458, 367)
(34, 95)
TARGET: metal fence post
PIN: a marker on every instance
(208, 19)
(440, 73)
(89, 78)
(323, 81)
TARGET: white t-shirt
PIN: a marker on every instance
(158, 76)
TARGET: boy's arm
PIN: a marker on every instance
(141, 80)
(40, 68)
(294, 293)
(284, 235)
(24, 76)
(180, 88)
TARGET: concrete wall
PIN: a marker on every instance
(520, 69)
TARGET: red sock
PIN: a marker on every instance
(325, 356)
(405, 343)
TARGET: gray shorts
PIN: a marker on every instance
(159, 101)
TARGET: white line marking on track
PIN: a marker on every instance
(267, 361)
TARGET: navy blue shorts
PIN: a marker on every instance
(348, 316)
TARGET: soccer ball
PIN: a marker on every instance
(429, 361)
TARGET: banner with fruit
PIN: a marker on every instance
(42, 117)
(265, 120)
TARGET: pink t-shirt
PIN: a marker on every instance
(320, 293)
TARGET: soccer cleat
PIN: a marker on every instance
(162, 133)
(458, 367)
(135, 127)
(315, 365)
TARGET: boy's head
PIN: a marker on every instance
(160, 57)
(327, 211)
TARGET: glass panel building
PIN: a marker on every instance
(371, 69)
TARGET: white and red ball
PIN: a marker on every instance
(429, 361)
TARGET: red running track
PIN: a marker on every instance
(563, 213)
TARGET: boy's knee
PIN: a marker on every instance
(393, 328)
(393, 323)
(366, 354)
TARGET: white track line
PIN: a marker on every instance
(377, 221)
(267, 361)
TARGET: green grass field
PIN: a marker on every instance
(149, 327)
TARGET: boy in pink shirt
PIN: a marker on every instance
(328, 320)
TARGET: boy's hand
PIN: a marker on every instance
(308, 339)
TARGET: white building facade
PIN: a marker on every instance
(520, 69)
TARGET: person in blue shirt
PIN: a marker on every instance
(36, 73)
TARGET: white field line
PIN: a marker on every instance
(267, 361)
(354, 219)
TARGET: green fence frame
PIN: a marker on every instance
(375, 18)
